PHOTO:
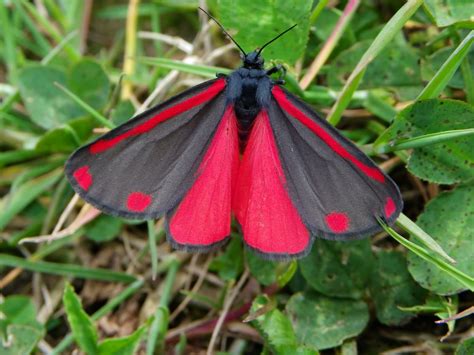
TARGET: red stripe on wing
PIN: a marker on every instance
(104, 144)
(325, 136)
(204, 215)
(269, 220)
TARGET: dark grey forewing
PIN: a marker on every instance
(161, 163)
(321, 182)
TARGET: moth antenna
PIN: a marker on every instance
(274, 39)
(223, 29)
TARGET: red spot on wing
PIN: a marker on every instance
(390, 207)
(325, 136)
(204, 215)
(198, 99)
(270, 222)
(83, 177)
(338, 222)
(138, 201)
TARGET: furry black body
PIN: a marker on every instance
(249, 90)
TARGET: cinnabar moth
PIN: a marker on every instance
(297, 179)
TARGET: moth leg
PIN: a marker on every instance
(278, 69)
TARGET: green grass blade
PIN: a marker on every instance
(384, 38)
(14, 203)
(50, 56)
(159, 326)
(17, 156)
(38, 37)
(57, 13)
(70, 270)
(202, 70)
(344, 99)
(101, 119)
(447, 70)
(9, 45)
(317, 10)
(425, 140)
(450, 270)
(50, 29)
(153, 248)
(411, 227)
(468, 77)
(379, 108)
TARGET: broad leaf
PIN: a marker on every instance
(277, 330)
(448, 218)
(325, 322)
(443, 163)
(122, 346)
(392, 287)
(82, 327)
(253, 23)
(22, 339)
(339, 269)
(449, 12)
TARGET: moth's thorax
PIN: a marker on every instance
(248, 90)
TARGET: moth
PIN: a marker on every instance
(241, 145)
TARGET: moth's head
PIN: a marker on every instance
(253, 60)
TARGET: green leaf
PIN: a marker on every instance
(88, 80)
(230, 264)
(277, 330)
(109, 306)
(263, 270)
(267, 19)
(392, 287)
(19, 310)
(18, 325)
(81, 325)
(324, 322)
(275, 327)
(444, 163)
(47, 106)
(58, 140)
(104, 228)
(22, 339)
(12, 204)
(66, 138)
(122, 112)
(122, 346)
(339, 269)
(449, 12)
(466, 347)
(466, 280)
(396, 67)
(448, 218)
